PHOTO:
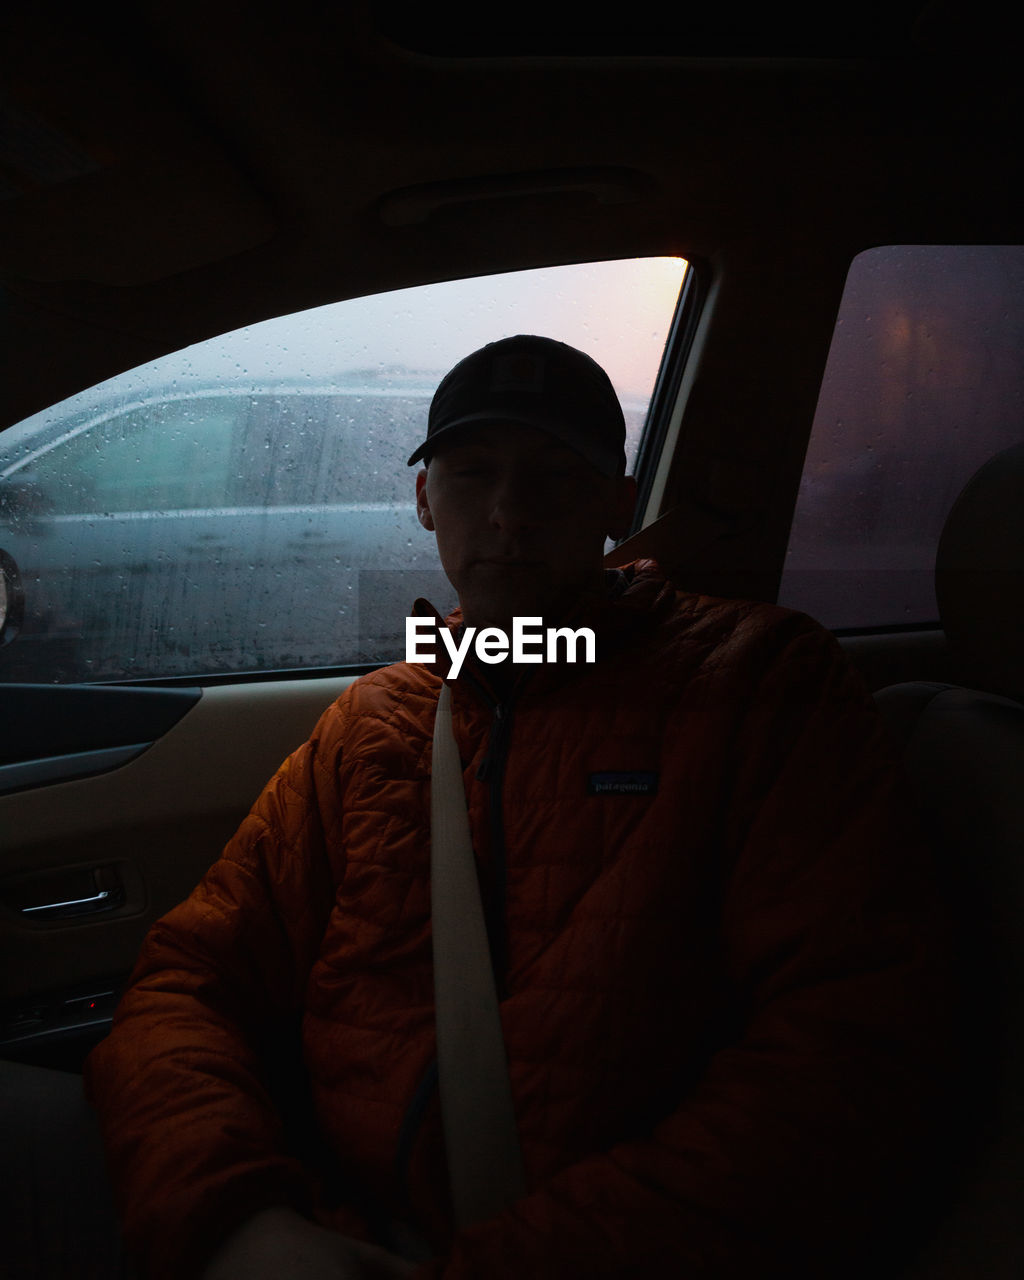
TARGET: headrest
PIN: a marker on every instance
(979, 574)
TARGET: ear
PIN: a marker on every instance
(422, 504)
(623, 507)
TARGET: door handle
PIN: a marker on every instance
(102, 901)
(67, 893)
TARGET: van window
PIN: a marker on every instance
(159, 457)
(245, 505)
(924, 383)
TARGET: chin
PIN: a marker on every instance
(495, 613)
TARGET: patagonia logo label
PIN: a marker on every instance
(629, 782)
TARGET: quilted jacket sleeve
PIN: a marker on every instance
(811, 1118)
(181, 1084)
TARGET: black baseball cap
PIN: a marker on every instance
(535, 382)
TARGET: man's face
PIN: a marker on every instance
(521, 522)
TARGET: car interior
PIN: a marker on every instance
(172, 173)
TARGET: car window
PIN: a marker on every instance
(245, 505)
(924, 383)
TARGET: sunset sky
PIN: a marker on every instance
(619, 312)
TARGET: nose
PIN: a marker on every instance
(513, 503)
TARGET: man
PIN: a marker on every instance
(710, 925)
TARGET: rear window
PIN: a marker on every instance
(245, 505)
(924, 383)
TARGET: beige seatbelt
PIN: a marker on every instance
(485, 1163)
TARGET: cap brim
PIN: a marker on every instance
(605, 461)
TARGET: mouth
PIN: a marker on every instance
(506, 562)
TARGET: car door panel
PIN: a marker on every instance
(87, 865)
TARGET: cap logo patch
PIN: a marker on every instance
(518, 371)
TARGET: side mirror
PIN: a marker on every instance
(12, 599)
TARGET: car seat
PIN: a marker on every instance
(964, 752)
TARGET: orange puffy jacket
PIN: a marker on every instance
(716, 944)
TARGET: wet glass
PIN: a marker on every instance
(245, 505)
(924, 383)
